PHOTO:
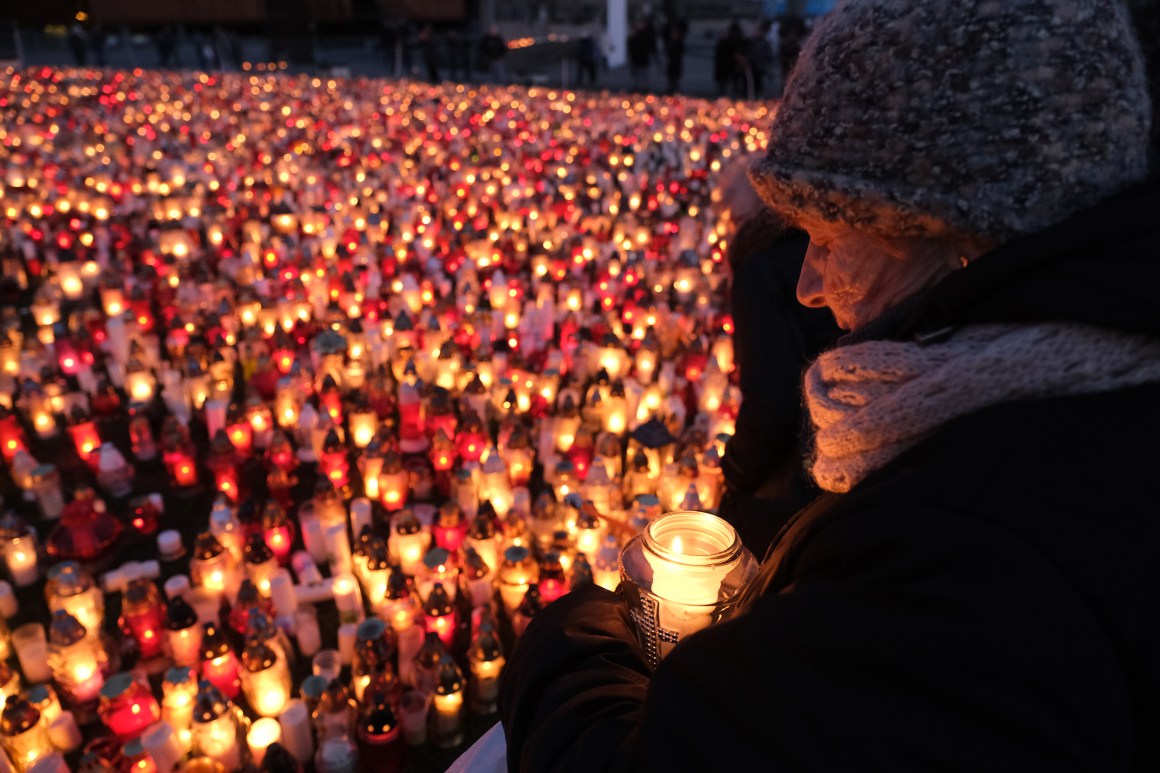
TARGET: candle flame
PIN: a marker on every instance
(677, 545)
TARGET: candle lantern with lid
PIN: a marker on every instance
(127, 706)
(143, 617)
(219, 664)
(213, 567)
(76, 660)
(682, 574)
(487, 661)
(24, 735)
(218, 733)
(447, 717)
(70, 589)
(265, 678)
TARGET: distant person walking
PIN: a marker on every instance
(642, 47)
(165, 41)
(429, 49)
(676, 31)
(588, 60)
(759, 54)
(727, 56)
(97, 40)
(492, 52)
(78, 44)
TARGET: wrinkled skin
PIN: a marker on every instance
(859, 275)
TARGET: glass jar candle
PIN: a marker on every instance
(683, 573)
(178, 693)
(335, 713)
(516, 573)
(374, 648)
(379, 737)
(485, 539)
(261, 563)
(407, 541)
(212, 566)
(277, 531)
(487, 661)
(439, 613)
(447, 713)
(76, 660)
(143, 617)
(20, 554)
(219, 665)
(127, 707)
(183, 633)
(265, 679)
(45, 486)
(217, 730)
(24, 736)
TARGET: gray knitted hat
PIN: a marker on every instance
(989, 118)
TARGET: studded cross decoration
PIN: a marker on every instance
(652, 635)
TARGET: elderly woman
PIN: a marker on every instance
(977, 588)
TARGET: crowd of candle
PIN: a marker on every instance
(423, 355)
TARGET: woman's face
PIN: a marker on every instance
(859, 275)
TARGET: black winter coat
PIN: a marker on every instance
(990, 600)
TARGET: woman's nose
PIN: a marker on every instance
(809, 286)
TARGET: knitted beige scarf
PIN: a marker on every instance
(873, 400)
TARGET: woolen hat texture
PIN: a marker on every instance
(992, 118)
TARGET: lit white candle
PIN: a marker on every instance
(347, 598)
(263, 733)
(690, 555)
(20, 555)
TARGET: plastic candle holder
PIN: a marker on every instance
(127, 706)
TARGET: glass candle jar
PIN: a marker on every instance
(183, 633)
(408, 541)
(76, 659)
(143, 617)
(219, 665)
(20, 554)
(212, 566)
(127, 706)
(178, 693)
(335, 713)
(265, 679)
(447, 713)
(260, 562)
(517, 571)
(24, 736)
(217, 731)
(46, 487)
(683, 573)
(487, 661)
(439, 613)
(374, 648)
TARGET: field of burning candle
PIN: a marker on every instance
(317, 390)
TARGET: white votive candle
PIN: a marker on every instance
(263, 732)
(296, 732)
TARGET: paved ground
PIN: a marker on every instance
(547, 63)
